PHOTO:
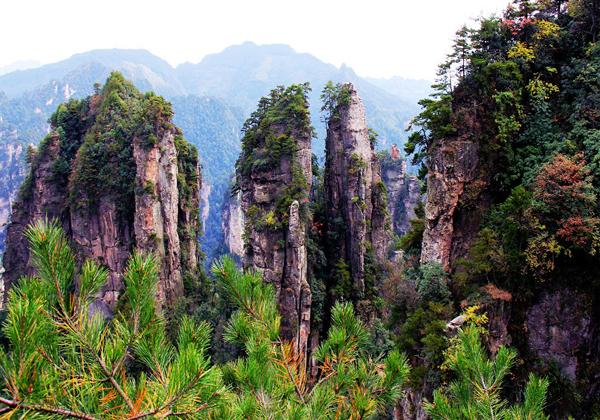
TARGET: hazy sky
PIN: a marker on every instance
(377, 38)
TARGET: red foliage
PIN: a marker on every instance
(317, 227)
(515, 26)
(564, 198)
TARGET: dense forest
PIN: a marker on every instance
(508, 145)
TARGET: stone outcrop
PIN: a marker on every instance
(453, 184)
(232, 222)
(403, 191)
(12, 173)
(43, 198)
(275, 187)
(296, 297)
(562, 327)
(102, 234)
(157, 211)
(354, 191)
(152, 203)
(559, 325)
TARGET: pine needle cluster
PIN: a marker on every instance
(273, 380)
(66, 361)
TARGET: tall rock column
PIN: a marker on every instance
(157, 210)
(403, 191)
(354, 191)
(296, 296)
(118, 176)
(232, 222)
(274, 174)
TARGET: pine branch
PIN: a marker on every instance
(105, 370)
(45, 409)
(290, 374)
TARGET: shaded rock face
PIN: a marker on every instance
(453, 182)
(562, 327)
(45, 199)
(153, 208)
(558, 325)
(102, 233)
(403, 192)
(12, 173)
(296, 297)
(354, 191)
(232, 222)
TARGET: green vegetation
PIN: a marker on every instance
(334, 96)
(127, 368)
(269, 139)
(523, 92)
(526, 77)
(476, 393)
(96, 137)
(64, 360)
(349, 385)
(261, 146)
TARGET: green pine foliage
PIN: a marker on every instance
(476, 394)
(96, 137)
(334, 96)
(261, 148)
(524, 87)
(273, 380)
(65, 360)
(285, 109)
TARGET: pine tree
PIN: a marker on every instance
(65, 360)
(273, 382)
(475, 395)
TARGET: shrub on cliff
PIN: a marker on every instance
(476, 393)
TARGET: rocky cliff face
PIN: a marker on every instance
(12, 173)
(454, 183)
(40, 197)
(115, 179)
(274, 177)
(233, 222)
(355, 193)
(558, 325)
(403, 192)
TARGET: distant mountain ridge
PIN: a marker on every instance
(240, 74)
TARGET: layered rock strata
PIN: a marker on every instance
(403, 192)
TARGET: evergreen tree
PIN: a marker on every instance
(65, 360)
(475, 394)
(273, 381)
